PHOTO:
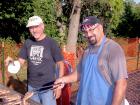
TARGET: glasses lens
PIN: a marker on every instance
(86, 27)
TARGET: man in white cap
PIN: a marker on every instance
(102, 70)
(42, 54)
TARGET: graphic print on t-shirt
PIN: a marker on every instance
(36, 54)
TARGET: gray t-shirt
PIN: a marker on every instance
(41, 58)
(111, 63)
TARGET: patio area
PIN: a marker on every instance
(133, 89)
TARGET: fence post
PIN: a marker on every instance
(2, 64)
(138, 53)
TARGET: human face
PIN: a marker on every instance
(37, 31)
(92, 33)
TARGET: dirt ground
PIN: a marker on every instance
(133, 88)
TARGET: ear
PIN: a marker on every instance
(100, 27)
(42, 26)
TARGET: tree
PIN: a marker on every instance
(62, 28)
(108, 11)
(129, 27)
(74, 26)
(46, 10)
(15, 13)
(13, 17)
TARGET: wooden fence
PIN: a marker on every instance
(131, 47)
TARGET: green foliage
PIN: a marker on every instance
(117, 9)
(109, 11)
(46, 9)
(129, 27)
(137, 11)
(13, 17)
(15, 13)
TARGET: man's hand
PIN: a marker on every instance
(26, 97)
(8, 60)
(57, 93)
(58, 85)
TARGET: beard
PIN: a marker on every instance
(92, 40)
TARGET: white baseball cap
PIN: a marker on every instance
(34, 21)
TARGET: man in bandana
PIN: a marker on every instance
(102, 70)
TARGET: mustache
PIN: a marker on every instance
(33, 32)
(89, 37)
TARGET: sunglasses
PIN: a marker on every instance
(88, 28)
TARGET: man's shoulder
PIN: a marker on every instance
(30, 39)
(112, 44)
(113, 47)
(49, 39)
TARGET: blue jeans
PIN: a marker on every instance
(45, 98)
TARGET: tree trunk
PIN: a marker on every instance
(73, 27)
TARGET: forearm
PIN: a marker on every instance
(60, 65)
(65, 80)
(73, 77)
(119, 92)
(22, 61)
(10, 59)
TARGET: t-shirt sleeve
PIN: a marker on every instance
(23, 51)
(56, 52)
(117, 62)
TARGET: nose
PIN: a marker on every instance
(34, 29)
(87, 34)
